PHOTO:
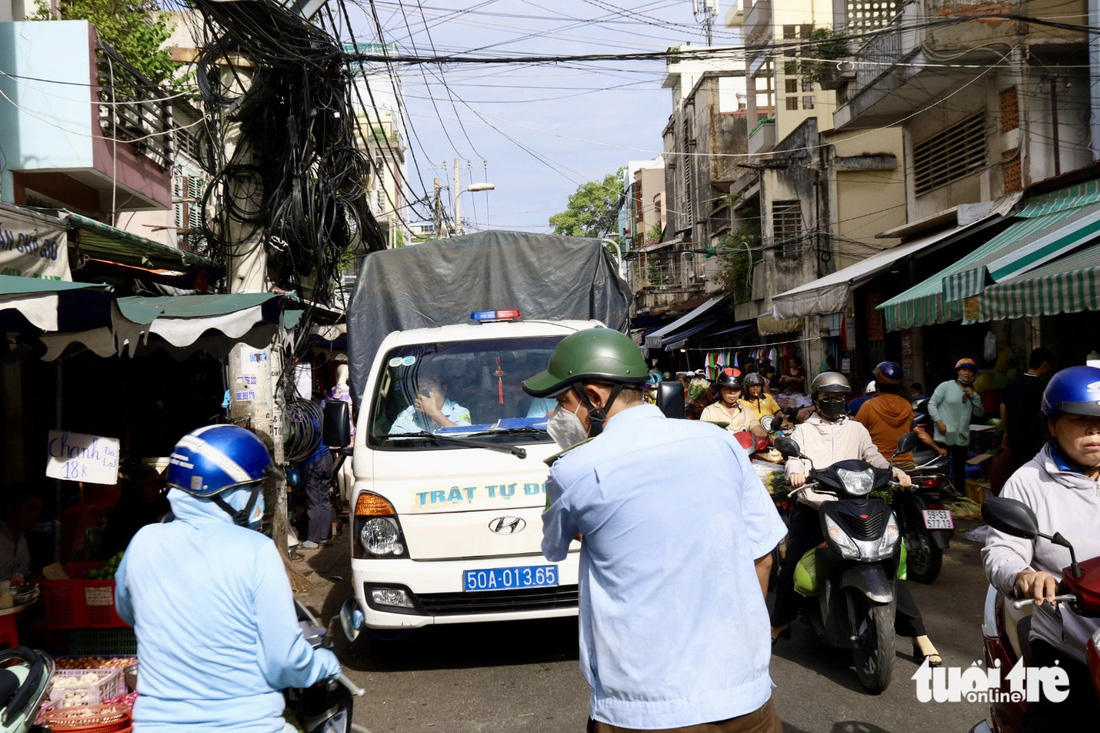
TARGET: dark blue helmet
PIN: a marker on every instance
(1075, 390)
(215, 458)
(889, 372)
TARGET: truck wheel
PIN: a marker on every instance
(873, 653)
(924, 558)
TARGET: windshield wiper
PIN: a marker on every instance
(512, 431)
(435, 438)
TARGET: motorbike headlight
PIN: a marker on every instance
(857, 483)
(884, 546)
(848, 548)
(381, 536)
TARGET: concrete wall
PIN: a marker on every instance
(870, 200)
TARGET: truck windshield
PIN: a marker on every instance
(462, 388)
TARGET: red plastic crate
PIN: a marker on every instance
(78, 603)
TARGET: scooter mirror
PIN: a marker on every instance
(907, 442)
(770, 423)
(670, 399)
(351, 619)
(1011, 517)
(787, 447)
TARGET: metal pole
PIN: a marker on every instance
(1054, 125)
(457, 226)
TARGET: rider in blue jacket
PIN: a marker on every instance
(209, 599)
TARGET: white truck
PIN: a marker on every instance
(449, 453)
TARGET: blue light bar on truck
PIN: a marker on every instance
(506, 314)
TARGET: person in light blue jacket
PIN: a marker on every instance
(209, 599)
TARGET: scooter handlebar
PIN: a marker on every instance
(1067, 598)
(353, 688)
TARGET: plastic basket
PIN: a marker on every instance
(91, 719)
(107, 684)
(104, 642)
(78, 603)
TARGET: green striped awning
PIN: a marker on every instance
(103, 240)
(1066, 285)
(1049, 225)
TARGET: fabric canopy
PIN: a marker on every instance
(96, 238)
(767, 325)
(829, 294)
(654, 339)
(182, 325)
(29, 304)
(1066, 285)
(1049, 224)
(679, 338)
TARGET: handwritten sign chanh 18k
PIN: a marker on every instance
(79, 457)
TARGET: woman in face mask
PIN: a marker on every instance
(826, 437)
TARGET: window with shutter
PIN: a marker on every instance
(950, 155)
(787, 227)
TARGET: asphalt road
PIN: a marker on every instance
(524, 676)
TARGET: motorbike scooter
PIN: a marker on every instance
(927, 525)
(1007, 622)
(326, 707)
(849, 581)
(25, 676)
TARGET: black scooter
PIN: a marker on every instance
(327, 706)
(849, 583)
(927, 525)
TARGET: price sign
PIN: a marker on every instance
(79, 457)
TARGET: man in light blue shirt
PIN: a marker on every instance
(430, 409)
(953, 406)
(677, 539)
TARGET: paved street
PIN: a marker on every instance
(524, 676)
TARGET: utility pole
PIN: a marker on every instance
(255, 397)
(457, 226)
(437, 210)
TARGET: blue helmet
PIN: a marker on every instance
(212, 459)
(889, 372)
(1075, 390)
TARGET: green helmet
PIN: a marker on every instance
(592, 355)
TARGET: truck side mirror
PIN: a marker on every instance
(336, 425)
(670, 399)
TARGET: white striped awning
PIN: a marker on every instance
(1066, 285)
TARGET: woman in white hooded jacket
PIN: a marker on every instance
(1060, 484)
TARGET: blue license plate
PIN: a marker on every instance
(535, 576)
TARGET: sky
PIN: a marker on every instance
(536, 132)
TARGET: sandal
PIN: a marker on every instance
(934, 658)
(785, 634)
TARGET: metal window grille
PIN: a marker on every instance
(868, 15)
(952, 154)
(787, 227)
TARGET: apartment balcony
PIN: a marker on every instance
(81, 129)
(762, 137)
(900, 70)
(758, 19)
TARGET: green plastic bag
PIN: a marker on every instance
(805, 575)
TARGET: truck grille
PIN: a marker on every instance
(508, 601)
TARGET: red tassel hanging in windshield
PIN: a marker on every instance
(499, 373)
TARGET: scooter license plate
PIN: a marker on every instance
(534, 576)
(938, 519)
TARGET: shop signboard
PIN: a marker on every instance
(91, 459)
(33, 245)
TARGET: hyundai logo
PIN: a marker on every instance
(507, 525)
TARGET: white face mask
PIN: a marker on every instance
(566, 428)
(257, 515)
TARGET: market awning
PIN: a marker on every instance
(829, 294)
(653, 340)
(105, 241)
(1048, 224)
(1065, 285)
(1043, 234)
(184, 324)
(770, 326)
(678, 338)
(29, 304)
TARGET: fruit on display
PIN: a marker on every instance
(107, 572)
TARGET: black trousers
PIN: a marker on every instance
(317, 479)
(958, 454)
(1078, 711)
(803, 535)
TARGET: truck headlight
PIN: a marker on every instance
(377, 528)
(381, 536)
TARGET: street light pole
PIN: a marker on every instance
(474, 188)
(618, 252)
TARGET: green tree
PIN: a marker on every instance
(137, 29)
(739, 253)
(593, 211)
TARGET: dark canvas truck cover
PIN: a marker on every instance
(440, 283)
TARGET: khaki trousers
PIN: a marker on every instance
(763, 720)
